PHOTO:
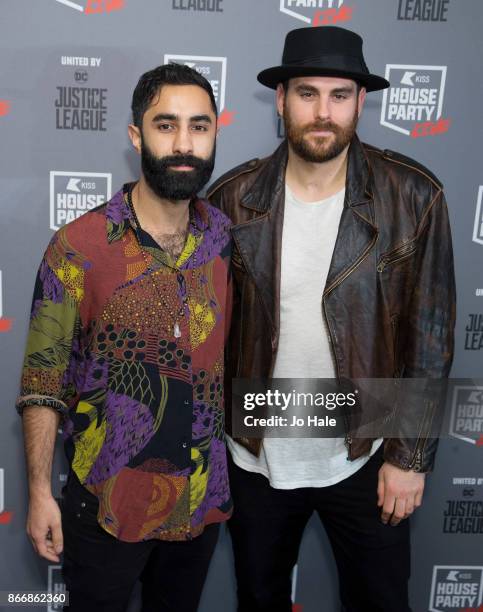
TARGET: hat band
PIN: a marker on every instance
(331, 62)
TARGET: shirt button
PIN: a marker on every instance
(184, 445)
(186, 402)
(83, 504)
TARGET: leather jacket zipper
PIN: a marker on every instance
(402, 254)
(352, 268)
(416, 462)
(348, 438)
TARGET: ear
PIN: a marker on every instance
(360, 100)
(280, 99)
(135, 136)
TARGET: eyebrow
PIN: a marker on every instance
(171, 117)
(338, 90)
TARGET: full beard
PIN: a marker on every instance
(172, 184)
(321, 149)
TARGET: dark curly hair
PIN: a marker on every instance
(151, 83)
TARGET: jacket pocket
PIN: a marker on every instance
(392, 257)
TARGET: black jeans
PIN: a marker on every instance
(100, 571)
(373, 559)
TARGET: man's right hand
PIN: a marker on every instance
(44, 527)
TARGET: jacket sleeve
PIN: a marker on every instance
(48, 368)
(429, 342)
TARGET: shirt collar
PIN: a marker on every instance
(119, 218)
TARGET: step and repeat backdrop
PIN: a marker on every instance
(67, 71)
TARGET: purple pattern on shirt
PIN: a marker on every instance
(214, 240)
(202, 420)
(52, 287)
(129, 427)
(117, 210)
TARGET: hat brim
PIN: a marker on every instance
(271, 77)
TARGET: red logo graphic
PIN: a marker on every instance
(103, 6)
(5, 324)
(430, 128)
(478, 609)
(226, 118)
(297, 608)
(5, 517)
(94, 6)
(332, 16)
(4, 107)
(479, 442)
(331, 12)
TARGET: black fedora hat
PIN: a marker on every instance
(322, 51)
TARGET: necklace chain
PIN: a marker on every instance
(174, 315)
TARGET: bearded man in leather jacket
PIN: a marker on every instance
(343, 268)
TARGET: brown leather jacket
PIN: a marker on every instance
(389, 300)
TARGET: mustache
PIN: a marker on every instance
(182, 160)
(326, 126)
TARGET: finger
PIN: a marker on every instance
(380, 490)
(57, 537)
(42, 549)
(410, 506)
(418, 499)
(388, 508)
(399, 511)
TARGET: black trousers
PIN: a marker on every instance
(100, 571)
(373, 559)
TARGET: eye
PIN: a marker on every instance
(306, 94)
(339, 97)
(199, 128)
(164, 127)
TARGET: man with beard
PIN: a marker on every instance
(126, 347)
(343, 268)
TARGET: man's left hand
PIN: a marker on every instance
(399, 492)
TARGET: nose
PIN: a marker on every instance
(321, 109)
(183, 143)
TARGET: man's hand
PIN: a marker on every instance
(44, 527)
(399, 492)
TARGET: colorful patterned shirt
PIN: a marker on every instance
(128, 346)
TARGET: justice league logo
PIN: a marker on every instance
(90, 7)
(5, 324)
(456, 588)
(55, 586)
(5, 516)
(317, 12)
(413, 105)
(467, 414)
(478, 227)
(74, 193)
(214, 71)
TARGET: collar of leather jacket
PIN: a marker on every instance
(271, 182)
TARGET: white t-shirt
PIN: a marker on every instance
(308, 240)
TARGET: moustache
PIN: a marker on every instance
(327, 126)
(182, 160)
